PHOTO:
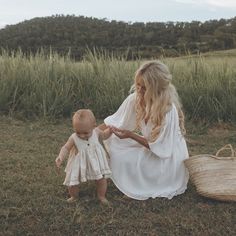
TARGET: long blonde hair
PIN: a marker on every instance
(159, 96)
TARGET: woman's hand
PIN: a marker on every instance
(121, 133)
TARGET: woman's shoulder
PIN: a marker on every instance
(172, 112)
(172, 108)
(129, 101)
(131, 97)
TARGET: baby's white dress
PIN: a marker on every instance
(90, 163)
(141, 173)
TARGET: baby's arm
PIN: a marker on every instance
(105, 134)
(64, 151)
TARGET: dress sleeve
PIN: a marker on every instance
(125, 116)
(163, 146)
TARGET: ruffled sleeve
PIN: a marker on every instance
(125, 116)
(163, 146)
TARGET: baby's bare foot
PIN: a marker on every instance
(104, 201)
(72, 199)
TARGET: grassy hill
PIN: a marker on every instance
(74, 33)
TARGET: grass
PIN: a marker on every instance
(32, 198)
(52, 86)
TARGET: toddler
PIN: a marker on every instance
(88, 159)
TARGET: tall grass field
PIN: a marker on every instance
(54, 87)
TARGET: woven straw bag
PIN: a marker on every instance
(214, 176)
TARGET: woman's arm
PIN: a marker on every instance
(122, 134)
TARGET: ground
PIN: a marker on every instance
(32, 197)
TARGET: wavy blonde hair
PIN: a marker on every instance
(160, 94)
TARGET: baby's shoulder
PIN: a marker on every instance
(74, 138)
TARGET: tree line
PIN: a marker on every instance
(75, 34)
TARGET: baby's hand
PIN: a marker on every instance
(58, 162)
(110, 127)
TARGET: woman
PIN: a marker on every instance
(149, 165)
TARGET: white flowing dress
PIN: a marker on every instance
(142, 173)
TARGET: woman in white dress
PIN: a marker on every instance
(147, 147)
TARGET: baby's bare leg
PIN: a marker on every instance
(101, 189)
(74, 192)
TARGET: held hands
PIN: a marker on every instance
(109, 130)
(121, 133)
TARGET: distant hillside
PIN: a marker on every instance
(63, 33)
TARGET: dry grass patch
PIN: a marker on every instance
(33, 198)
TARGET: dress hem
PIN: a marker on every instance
(98, 177)
(140, 198)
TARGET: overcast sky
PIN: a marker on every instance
(15, 11)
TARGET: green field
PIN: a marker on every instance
(53, 87)
(33, 197)
(37, 97)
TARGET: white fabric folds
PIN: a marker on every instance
(90, 163)
(141, 173)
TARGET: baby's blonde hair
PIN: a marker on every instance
(84, 115)
(159, 95)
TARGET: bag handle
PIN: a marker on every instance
(226, 147)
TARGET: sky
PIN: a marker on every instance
(15, 11)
